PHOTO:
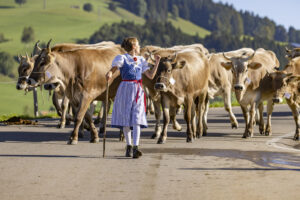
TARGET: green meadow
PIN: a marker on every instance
(62, 23)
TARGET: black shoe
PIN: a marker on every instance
(136, 152)
(128, 151)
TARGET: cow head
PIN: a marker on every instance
(282, 85)
(165, 80)
(239, 66)
(290, 54)
(43, 65)
(25, 68)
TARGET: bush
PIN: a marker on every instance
(20, 2)
(2, 38)
(112, 6)
(88, 7)
(6, 64)
(28, 35)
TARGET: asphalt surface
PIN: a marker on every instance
(36, 163)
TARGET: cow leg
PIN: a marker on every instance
(270, 107)
(157, 118)
(294, 109)
(261, 118)
(246, 118)
(100, 114)
(166, 108)
(56, 103)
(64, 107)
(176, 125)
(151, 106)
(101, 129)
(205, 113)
(84, 105)
(69, 115)
(188, 118)
(228, 108)
(252, 119)
(201, 108)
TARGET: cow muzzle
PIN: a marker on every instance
(51, 86)
(277, 100)
(21, 86)
(238, 87)
(160, 86)
(31, 82)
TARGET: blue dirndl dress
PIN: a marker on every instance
(129, 105)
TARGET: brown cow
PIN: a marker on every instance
(220, 82)
(82, 74)
(182, 78)
(251, 88)
(292, 53)
(289, 87)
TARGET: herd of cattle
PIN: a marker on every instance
(187, 75)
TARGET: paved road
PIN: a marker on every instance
(36, 163)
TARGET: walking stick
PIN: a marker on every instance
(105, 118)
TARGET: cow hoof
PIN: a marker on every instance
(204, 133)
(121, 136)
(161, 141)
(246, 136)
(189, 140)
(268, 133)
(296, 136)
(61, 125)
(95, 140)
(177, 127)
(234, 125)
(68, 122)
(154, 136)
(72, 142)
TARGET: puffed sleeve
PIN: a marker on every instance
(118, 61)
(144, 63)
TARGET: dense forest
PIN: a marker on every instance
(213, 16)
(165, 34)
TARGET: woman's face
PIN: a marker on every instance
(136, 47)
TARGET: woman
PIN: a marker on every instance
(129, 105)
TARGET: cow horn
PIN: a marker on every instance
(287, 50)
(174, 58)
(48, 45)
(27, 57)
(151, 57)
(226, 56)
(249, 57)
(19, 58)
(36, 49)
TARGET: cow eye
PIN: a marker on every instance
(169, 71)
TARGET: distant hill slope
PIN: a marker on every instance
(64, 24)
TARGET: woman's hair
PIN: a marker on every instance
(127, 43)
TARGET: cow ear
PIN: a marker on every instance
(290, 79)
(227, 65)
(179, 65)
(254, 65)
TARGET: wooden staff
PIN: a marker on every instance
(105, 118)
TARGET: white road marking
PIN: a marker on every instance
(273, 142)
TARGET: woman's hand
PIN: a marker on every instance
(157, 58)
(108, 75)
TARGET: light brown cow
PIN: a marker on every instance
(289, 88)
(251, 88)
(220, 82)
(154, 94)
(292, 53)
(183, 79)
(82, 75)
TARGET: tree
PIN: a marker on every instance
(175, 12)
(141, 7)
(112, 6)
(6, 64)
(88, 7)
(20, 2)
(281, 34)
(28, 35)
